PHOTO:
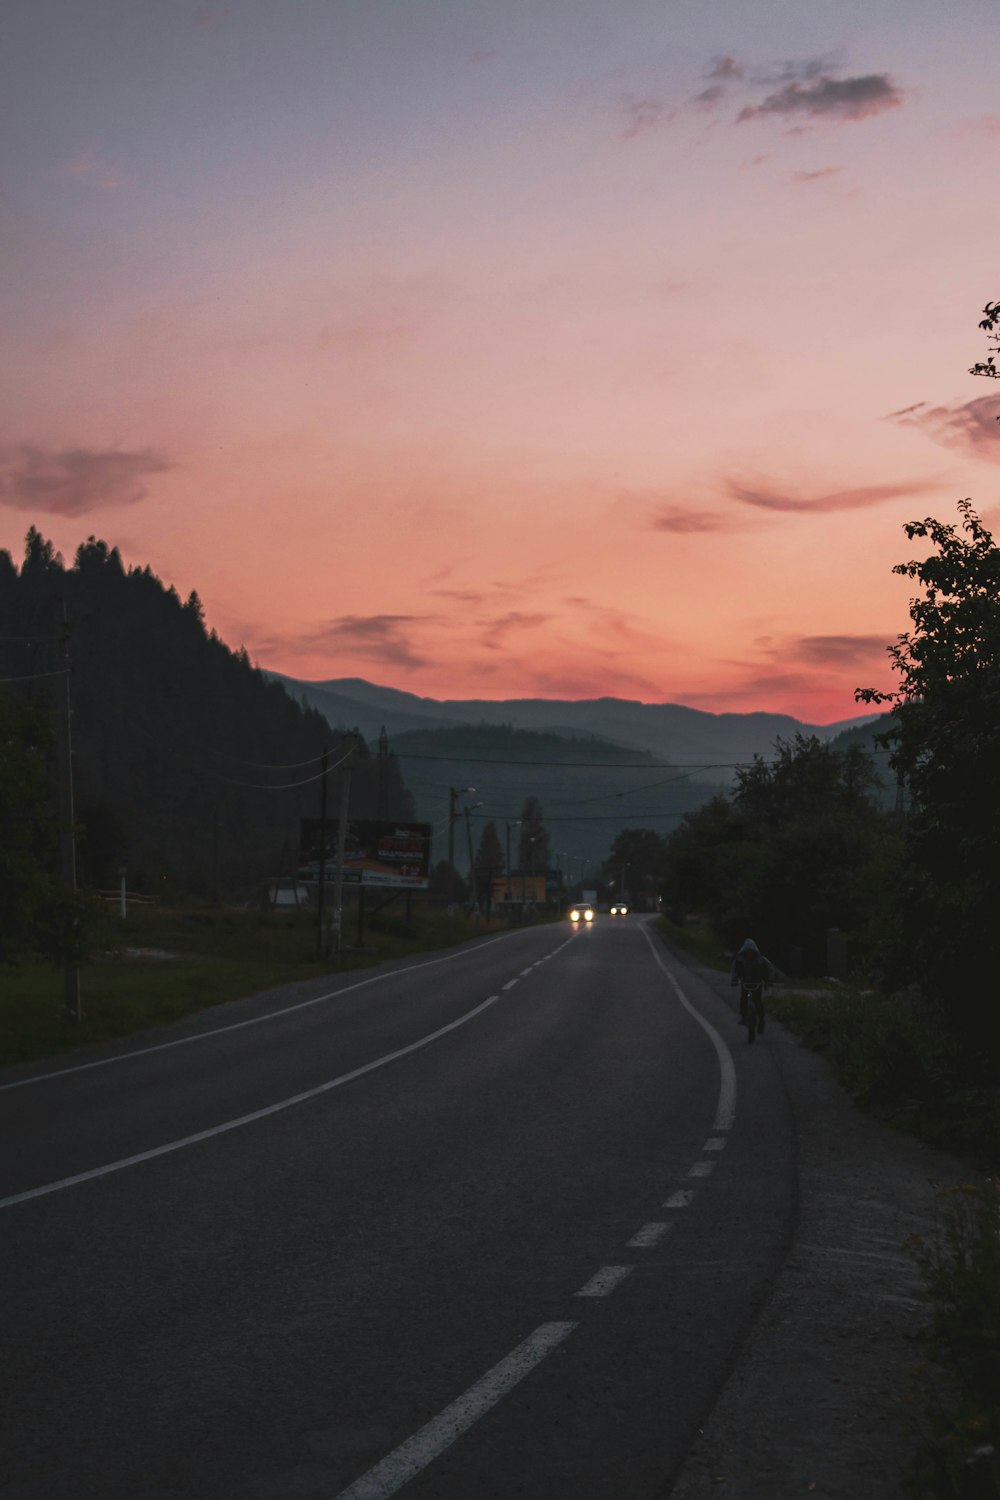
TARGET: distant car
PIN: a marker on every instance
(581, 913)
(619, 909)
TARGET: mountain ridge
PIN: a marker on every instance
(671, 730)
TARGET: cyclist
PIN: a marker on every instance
(751, 967)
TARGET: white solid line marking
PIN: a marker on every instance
(681, 1199)
(726, 1111)
(715, 1143)
(604, 1281)
(257, 1114)
(273, 1015)
(427, 1444)
(648, 1235)
(701, 1169)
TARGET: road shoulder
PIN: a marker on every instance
(817, 1401)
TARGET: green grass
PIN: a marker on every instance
(216, 955)
(889, 1052)
(697, 939)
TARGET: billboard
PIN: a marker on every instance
(383, 855)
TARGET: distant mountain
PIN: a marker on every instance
(669, 731)
(597, 765)
(589, 788)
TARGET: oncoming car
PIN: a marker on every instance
(582, 912)
(619, 909)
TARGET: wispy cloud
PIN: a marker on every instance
(860, 498)
(684, 520)
(460, 596)
(803, 92)
(388, 639)
(836, 650)
(969, 425)
(213, 17)
(644, 114)
(73, 481)
(725, 68)
(364, 331)
(817, 176)
(827, 98)
(90, 167)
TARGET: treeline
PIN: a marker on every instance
(800, 847)
(191, 770)
(806, 842)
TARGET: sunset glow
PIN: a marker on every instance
(539, 348)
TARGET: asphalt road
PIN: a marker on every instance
(488, 1225)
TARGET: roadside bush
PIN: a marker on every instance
(960, 1264)
(886, 1050)
(893, 1054)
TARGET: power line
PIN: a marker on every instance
(233, 781)
(591, 765)
(33, 676)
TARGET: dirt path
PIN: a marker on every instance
(816, 1403)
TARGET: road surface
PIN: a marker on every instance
(487, 1224)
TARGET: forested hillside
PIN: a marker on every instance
(589, 788)
(190, 768)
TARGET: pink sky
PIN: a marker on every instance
(524, 349)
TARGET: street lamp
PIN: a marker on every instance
(454, 793)
(510, 877)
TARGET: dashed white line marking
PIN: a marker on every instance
(427, 1444)
(701, 1169)
(648, 1236)
(527, 970)
(681, 1199)
(509, 985)
(715, 1143)
(725, 1113)
(604, 1281)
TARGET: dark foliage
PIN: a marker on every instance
(796, 850)
(534, 846)
(635, 865)
(944, 738)
(191, 769)
(38, 914)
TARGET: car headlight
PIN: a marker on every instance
(589, 915)
(574, 915)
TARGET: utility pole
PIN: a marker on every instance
(67, 816)
(510, 876)
(473, 891)
(383, 775)
(453, 795)
(338, 877)
(324, 766)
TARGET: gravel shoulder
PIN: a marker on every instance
(816, 1400)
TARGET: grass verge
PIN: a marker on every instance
(696, 939)
(891, 1055)
(959, 1458)
(160, 965)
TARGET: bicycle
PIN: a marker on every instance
(752, 1007)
